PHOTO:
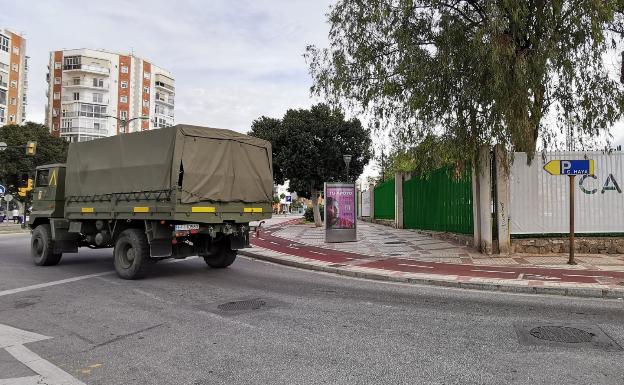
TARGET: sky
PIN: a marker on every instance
(233, 61)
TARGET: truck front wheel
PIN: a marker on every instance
(132, 254)
(223, 256)
(42, 247)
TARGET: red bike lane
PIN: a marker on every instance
(536, 274)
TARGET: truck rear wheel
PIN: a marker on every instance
(42, 247)
(224, 257)
(132, 254)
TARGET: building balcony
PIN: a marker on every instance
(169, 102)
(86, 68)
(165, 86)
(84, 130)
(70, 99)
(83, 114)
(84, 84)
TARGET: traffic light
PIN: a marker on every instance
(31, 148)
(23, 191)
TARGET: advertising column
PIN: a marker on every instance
(340, 212)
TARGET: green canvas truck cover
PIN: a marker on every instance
(218, 165)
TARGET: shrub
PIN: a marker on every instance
(309, 214)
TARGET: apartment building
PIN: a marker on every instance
(13, 78)
(95, 93)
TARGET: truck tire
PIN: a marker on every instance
(223, 258)
(132, 254)
(42, 246)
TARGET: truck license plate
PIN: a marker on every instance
(190, 226)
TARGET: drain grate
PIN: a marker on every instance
(562, 334)
(395, 243)
(248, 304)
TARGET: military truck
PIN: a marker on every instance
(174, 192)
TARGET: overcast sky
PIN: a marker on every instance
(233, 61)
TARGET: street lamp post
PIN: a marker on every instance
(347, 160)
(124, 122)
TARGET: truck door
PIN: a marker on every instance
(48, 193)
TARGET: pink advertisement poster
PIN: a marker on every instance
(340, 207)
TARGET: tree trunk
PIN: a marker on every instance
(315, 209)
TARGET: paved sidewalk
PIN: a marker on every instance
(407, 256)
(10, 228)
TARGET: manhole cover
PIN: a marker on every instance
(561, 334)
(248, 304)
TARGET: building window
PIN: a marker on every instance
(57, 95)
(98, 83)
(15, 50)
(97, 98)
(55, 112)
(13, 83)
(66, 123)
(96, 126)
(15, 67)
(146, 90)
(4, 43)
(57, 80)
(146, 75)
(55, 126)
(57, 65)
(124, 84)
(123, 99)
(76, 81)
(14, 101)
(76, 95)
(12, 118)
(71, 63)
(123, 115)
(124, 69)
(145, 103)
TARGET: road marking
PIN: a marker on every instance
(581, 275)
(495, 271)
(12, 340)
(53, 283)
(275, 243)
(316, 252)
(409, 264)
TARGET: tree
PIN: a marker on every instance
(14, 163)
(474, 72)
(311, 145)
(271, 129)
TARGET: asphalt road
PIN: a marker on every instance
(313, 327)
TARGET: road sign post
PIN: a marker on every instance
(571, 260)
(571, 168)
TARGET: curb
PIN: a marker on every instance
(606, 293)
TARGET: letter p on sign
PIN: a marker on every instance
(565, 166)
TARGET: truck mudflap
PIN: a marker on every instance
(64, 241)
(239, 241)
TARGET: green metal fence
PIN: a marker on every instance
(384, 200)
(438, 202)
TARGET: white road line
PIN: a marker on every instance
(581, 275)
(12, 340)
(274, 243)
(52, 374)
(495, 271)
(408, 264)
(316, 252)
(53, 283)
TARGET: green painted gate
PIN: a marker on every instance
(438, 202)
(384, 200)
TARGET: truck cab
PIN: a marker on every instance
(48, 194)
